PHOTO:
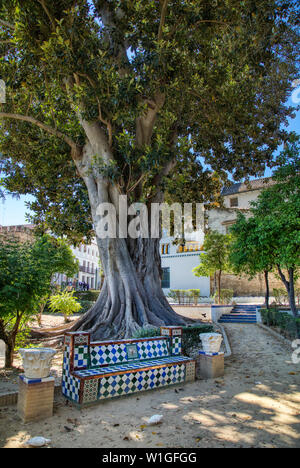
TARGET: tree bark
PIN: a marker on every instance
(289, 285)
(131, 297)
(267, 293)
(219, 286)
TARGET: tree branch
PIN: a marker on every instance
(162, 19)
(43, 126)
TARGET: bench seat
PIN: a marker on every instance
(124, 368)
(95, 371)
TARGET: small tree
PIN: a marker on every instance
(277, 214)
(64, 302)
(26, 270)
(250, 251)
(215, 259)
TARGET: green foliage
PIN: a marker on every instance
(90, 295)
(65, 303)
(280, 296)
(216, 247)
(277, 209)
(226, 296)
(208, 70)
(26, 271)
(190, 335)
(185, 296)
(85, 306)
(288, 325)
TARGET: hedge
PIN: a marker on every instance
(91, 295)
(287, 324)
(190, 335)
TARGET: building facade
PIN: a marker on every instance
(179, 261)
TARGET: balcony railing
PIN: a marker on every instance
(86, 269)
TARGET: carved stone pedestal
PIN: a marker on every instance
(36, 388)
(35, 398)
(210, 365)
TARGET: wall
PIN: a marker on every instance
(181, 275)
(243, 286)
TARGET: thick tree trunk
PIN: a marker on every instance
(131, 296)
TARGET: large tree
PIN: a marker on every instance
(117, 97)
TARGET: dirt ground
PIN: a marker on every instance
(255, 404)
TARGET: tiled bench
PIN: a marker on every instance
(94, 371)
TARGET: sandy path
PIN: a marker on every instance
(256, 404)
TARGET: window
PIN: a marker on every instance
(234, 202)
(165, 282)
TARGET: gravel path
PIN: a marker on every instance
(255, 404)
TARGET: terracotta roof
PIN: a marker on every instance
(256, 184)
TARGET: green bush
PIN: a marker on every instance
(91, 295)
(185, 296)
(287, 325)
(85, 306)
(280, 296)
(190, 335)
(225, 296)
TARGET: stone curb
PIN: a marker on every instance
(226, 341)
(275, 334)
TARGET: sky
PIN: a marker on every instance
(13, 211)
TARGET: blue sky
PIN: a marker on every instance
(13, 211)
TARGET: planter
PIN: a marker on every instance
(211, 342)
(37, 362)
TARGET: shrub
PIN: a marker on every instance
(91, 295)
(225, 296)
(185, 296)
(280, 296)
(65, 303)
(195, 294)
(287, 324)
(85, 306)
(190, 335)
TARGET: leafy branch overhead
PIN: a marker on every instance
(164, 85)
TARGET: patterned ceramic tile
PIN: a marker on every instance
(70, 384)
(129, 366)
(152, 349)
(176, 345)
(90, 390)
(108, 354)
(81, 356)
(125, 384)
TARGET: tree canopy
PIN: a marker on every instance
(168, 82)
(110, 97)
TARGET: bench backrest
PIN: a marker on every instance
(84, 354)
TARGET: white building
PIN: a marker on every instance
(88, 258)
(178, 261)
